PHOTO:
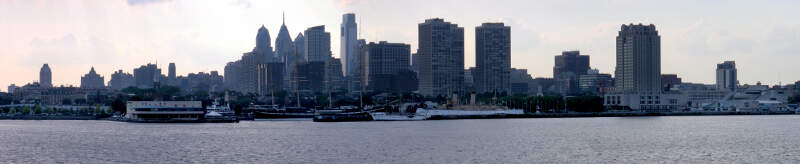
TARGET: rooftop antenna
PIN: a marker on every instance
(284, 17)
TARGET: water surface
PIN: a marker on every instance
(685, 139)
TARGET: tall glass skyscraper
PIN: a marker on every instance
(349, 50)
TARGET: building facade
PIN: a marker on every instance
(45, 76)
(492, 58)
(92, 80)
(146, 75)
(569, 66)
(384, 62)
(441, 52)
(243, 75)
(349, 46)
(317, 44)
(638, 59)
(121, 80)
(595, 82)
(726, 76)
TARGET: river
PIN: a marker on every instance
(669, 139)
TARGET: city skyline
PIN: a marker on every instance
(761, 48)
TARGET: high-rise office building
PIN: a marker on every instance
(263, 47)
(270, 77)
(147, 75)
(317, 44)
(595, 82)
(45, 76)
(638, 59)
(638, 74)
(441, 52)
(492, 58)
(349, 50)
(356, 78)
(172, 78)
(569, 66)
(334, 80)
(384, 62)
(171, 71)
(243, 75)
(726, 76)
(283, 45)
(92, 80)
(300, 48)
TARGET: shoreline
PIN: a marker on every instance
(603, 114)
(471, 116)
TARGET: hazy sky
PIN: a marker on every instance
(74, 35)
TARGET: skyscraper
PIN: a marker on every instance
(333, 75)
(243, 75)
(384, 62)
(569, 66)
(726, 76)
(146, 75)
(283, 44)
(317, 44)
(172, 79)
(441, 52)
(300, 48)
(492, 58)
(349, 50)
(263, 47)
(45, 76)
(638, 59)
(92, 80)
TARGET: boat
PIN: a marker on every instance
(220, 114)
(271, 112)
(341, 114)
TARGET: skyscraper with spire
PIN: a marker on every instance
(284, 50)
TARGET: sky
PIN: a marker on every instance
(203, 35)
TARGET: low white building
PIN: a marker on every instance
(165, 110)
(647, 102)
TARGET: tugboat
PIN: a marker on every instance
(216, 113)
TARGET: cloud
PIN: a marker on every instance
(144, 2)
(242, 3)
(345, 3)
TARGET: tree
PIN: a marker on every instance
(37, 109)
(118, 105)
(51, 111)
(12, 111)
(97, 110)
(26, 110)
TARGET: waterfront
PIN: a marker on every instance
(684, 139)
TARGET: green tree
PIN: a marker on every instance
(51, 111)
(12, 111)
(97, 110)
(37, 109)
(26, 110)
